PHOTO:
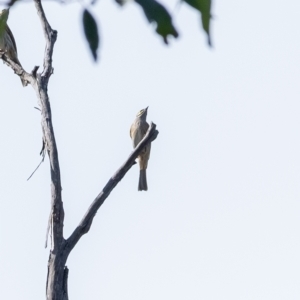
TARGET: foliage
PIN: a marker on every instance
(155, 13)
(91, 32)
(204, 7)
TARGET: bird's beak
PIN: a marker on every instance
(146, 108)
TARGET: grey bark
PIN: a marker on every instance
(57, 277)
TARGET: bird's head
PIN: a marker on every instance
(4, 16)
(142, 112)
(3, 20)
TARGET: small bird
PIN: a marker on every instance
(7, 40)
(137, 132)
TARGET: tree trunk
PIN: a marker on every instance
(57, 279)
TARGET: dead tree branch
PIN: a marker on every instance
(42, 79)
(17, 68)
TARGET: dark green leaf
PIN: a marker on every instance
(91, 32)
(157, 13)
(204, 7)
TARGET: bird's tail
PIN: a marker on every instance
(143, 181)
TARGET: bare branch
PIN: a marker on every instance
(57, 212)
(17, 68)
(50, 37)
(37, 167)
(57, 275)
(87, 220)
(34, 71)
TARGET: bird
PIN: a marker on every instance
(7, 40)
(137, 132)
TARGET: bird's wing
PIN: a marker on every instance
(137, 136)
(134, 134)
(131, 130)
(11, 37)
(140, 133)
(144, 127)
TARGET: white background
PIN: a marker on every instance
(221, 217)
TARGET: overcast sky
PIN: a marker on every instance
(221, 218)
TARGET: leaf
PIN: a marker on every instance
(91, 32)
(204, 7)
(155, 12)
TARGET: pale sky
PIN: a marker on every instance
(221, 218)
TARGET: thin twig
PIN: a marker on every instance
(37, 167)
